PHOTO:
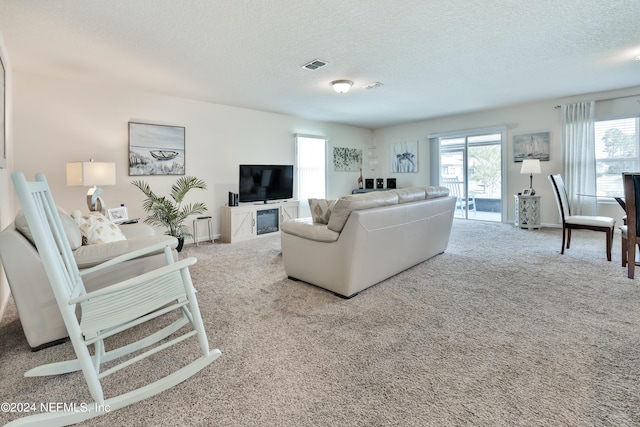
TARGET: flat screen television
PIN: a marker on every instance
(260, 183)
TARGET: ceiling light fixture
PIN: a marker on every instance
(341, 86)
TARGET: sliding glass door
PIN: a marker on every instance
(471, 166)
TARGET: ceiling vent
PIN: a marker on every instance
(373, 85)
(315, 64)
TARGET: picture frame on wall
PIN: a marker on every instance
(404, 157)
(532, 146)
(3, 116)
(347, 159)
(156, 149)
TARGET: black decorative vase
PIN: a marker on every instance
(180, 244)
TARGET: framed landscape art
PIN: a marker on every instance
(531, 146)
(156, 149)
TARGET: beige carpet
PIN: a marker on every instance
(500, 330)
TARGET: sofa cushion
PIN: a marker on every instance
(321, 210)
(410, 194)
(96, 228)
(89, 255)
(308, 229)
(433, 192)
(345, 204)
(71, 229)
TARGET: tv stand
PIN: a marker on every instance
(250, 221)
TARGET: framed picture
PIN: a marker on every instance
(347, 159)
(3, 116)
(531, 146)
(156, 149)
(404, 157)
(117, 215)
(526, 192)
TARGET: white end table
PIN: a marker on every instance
(527, 211)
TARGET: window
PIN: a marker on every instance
(470, 164)
(617, 150)
(311, 169)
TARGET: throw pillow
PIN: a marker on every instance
(321, 210)
(70, 228)
(96, 228)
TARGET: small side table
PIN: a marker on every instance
(195, 228)
(527, 211)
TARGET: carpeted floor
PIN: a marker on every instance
(500, 330)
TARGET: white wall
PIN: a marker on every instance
(58, 121)
(6, 201)
(519, 119)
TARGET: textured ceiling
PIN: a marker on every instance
(435, 57)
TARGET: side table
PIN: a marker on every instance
(195, 228)
(527, 211)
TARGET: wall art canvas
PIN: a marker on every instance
(347, 159)
(156, 149)
(404, 157)
(531, 146)
(3, 117)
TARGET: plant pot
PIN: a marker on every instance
(180, 243)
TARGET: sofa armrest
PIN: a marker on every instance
(153, 246)
(307, 229)
(132, 231)
(91, 255)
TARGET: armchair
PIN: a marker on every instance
(39, 315)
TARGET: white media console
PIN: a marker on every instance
(249, 221)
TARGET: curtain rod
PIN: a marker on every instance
(605, 99)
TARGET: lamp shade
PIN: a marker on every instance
(91, 173)
(531, 166)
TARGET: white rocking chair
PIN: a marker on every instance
(108, 311)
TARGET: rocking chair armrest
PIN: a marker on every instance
(135, 281)
(156, 247)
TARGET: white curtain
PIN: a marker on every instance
(579, 156)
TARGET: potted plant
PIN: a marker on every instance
(170, 212)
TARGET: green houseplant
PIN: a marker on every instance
(170, 212)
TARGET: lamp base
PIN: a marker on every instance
(94, 201)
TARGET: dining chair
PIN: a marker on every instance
(631, 228)
(573, 222)
(111, 311)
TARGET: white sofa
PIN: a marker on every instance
(38, 311)
(368, 238)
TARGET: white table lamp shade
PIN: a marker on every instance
(91, 174)
(531, 166)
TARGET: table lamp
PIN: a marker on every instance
(531, 166)
(91, 174)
